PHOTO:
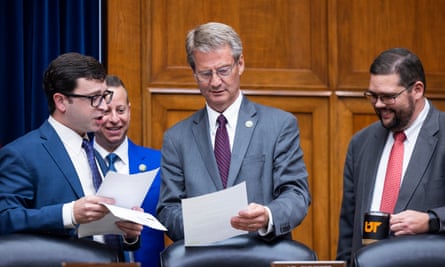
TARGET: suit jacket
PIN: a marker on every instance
(36, 178)
(266, 154)
(422, 189)
(152, 241)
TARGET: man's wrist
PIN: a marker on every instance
(433, 222)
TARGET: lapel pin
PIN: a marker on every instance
(249, 124)
(142, 167)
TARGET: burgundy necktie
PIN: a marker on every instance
(222, 149)
(393, 174)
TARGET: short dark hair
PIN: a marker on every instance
(399, 61)
(114, 81)
(62, 74)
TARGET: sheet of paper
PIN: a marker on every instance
(207, 217)
(128, 191)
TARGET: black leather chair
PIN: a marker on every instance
(243, 250)
(404, 251)
(50, 251)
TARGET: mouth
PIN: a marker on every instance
(386, 113)
(217, 91)
(115, 130)
(99, 119)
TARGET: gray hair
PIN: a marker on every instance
(211, 36)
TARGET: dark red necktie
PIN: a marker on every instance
(393, 174)
(222, 149)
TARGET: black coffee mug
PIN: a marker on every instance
(375, 226)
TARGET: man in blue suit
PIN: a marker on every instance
(45, 177)
(131, 158)
(264, 146)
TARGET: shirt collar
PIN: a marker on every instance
(231, 113)
(68, 136)
(412, 131)
(121, 151)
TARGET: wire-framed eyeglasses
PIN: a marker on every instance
(222, 72)
(96, 100)
(385, 99)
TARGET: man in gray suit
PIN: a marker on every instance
(396, 91)
(264, 145)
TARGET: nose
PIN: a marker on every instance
(215, 80)
(379, 102)
(103, 105)
(114, 118)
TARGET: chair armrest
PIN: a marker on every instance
(405, 251)
(38, 250)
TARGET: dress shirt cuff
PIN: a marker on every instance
(130, 242)
(264, 231)
(68, 215)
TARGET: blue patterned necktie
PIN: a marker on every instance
(111, 158)
(222, 149)
(97, 179)
(113, 241)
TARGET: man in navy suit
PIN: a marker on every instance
(131, 158)
(396, 91)
(45, 179)
(264, 144)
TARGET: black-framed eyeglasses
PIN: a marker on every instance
(96, 100)
(207, 75)
(385, 99)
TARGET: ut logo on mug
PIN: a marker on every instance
(375, 226)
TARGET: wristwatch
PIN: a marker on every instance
(433, 222)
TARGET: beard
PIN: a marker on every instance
(402, 117)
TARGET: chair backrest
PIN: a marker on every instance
(50, 251)
(98, 264)
(404, 251)
(243, 250)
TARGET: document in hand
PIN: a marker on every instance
(128, 191)
(207, 217)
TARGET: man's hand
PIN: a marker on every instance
(252, 219)
(132, 230)
(89, 209)
(409, 222)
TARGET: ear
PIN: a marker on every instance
(241, 64)
(418, 89)
(59, 102)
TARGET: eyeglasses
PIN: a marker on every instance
(385, 99)
(96, 100)
(206, 76)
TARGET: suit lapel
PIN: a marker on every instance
(245, 127)
(52, 143)
(421, 155)
(374, 151)
(201, 134)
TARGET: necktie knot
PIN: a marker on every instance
(399, 137)
(222, 121)
(86, 145)
(111, 158)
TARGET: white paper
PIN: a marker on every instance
(207, 217)
(128, 191)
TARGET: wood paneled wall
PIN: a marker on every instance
(309, 57)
